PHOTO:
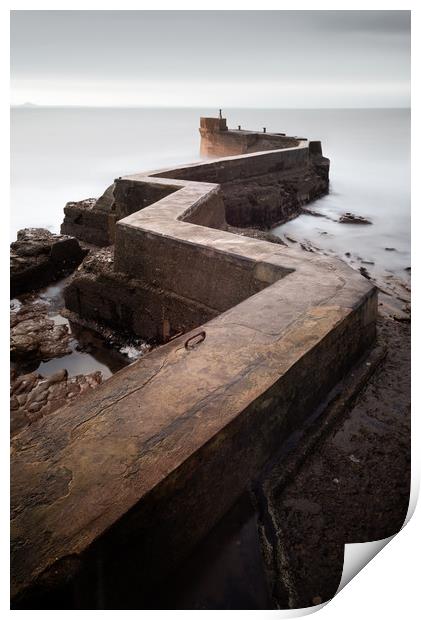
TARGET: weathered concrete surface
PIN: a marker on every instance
(216, 140)
(226, 570)
(266, 188)
(102, 298)
(144, 466)
(263, 198)
(169, 427)
(174, 288)
(39, 257)
(304, 551)
(257, 191)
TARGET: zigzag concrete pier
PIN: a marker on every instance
(255, 335)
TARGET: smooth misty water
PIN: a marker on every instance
(370, 176)
(62, 154)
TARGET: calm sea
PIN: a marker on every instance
(62, 154)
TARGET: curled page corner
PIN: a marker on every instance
(299, 612)
(358, 555)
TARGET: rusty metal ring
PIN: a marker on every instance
(201, 335)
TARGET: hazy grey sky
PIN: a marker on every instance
(211, 58)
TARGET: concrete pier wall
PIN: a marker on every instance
(177, 284)
(258, 189)
(136, 472)
(216, 140)
(231, 168)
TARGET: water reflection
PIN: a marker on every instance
(89, 352)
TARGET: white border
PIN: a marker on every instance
(388, 585)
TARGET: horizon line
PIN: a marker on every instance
(175, 107)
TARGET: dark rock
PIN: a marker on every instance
(91, 220)
(270, 199)
(33, 396)
(350, 218)
(363, 271)
(390, 249)
(308, 247)
(34, 336)
(39, 257)
(106, 201)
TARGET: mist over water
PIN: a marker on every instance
(63, 154)
(369, 176)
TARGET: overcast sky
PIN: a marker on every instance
(271, 59)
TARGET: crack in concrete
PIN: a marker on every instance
(129, 393)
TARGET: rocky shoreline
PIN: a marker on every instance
(32, 396)
(40, 331)
(39, 257)
(33, 335)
